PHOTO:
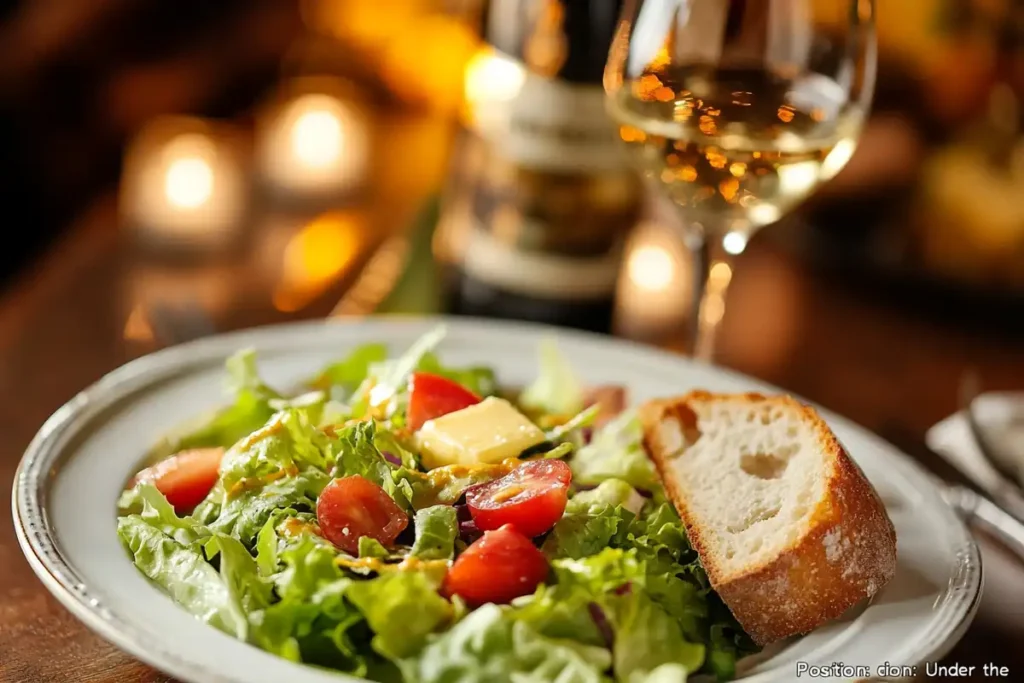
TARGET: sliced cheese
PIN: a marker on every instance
(485, 433)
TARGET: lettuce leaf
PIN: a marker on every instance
(320, 604)
(437, 527)
(309, 564)
(616, 452)
(250, 411)
(267, 560)
(282, 528)
(312, 404)
(545, 452)
(384, 393)
(559, 611)
(238, 569)
(647, 637)
(154, 509)
(287, 443)
(402, 609)
(587, 532)
(594, 520)
(286, 464)
(184, 574)
(605, 572)
(328, 632)
(557, 390)
(571, 431)
(611, 492)
(387, 442)
(662, 527)
(312, 622)
(371, 547)
(667, 673)
(679, 585)
(630, 596)
(645, 634)
(343, 377)
(244, 515)
(391, 376)
(445, 485)
(675, 578)
(489, 647)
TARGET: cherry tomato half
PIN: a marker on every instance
(185, 478)
(531, 497)
(499, 567)
(432, 396)
(353, 507)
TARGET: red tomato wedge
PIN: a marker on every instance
(353, 507)
(531, 497)
(185, 478)
(432, 396)
(499, 567)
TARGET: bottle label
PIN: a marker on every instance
(539, 274)
(539, 122)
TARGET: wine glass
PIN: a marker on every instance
(737, 110)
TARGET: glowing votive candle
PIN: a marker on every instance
(654, 287)
(184, 185)
(312, 145)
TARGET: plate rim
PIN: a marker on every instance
(41, 547)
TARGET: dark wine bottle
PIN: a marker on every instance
(540, 198)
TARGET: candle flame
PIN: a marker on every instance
(188, 183)
(317, 135)
(652, 268)
(313, 143)
(491, 78)
(188, 171)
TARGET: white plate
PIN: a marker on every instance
(69, 480)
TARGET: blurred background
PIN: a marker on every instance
(170, 170)
(241, 163)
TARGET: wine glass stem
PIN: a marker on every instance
(713, 268)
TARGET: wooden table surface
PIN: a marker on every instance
(68, 321)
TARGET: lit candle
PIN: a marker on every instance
(312, 144)
(654, 288)
(184, 185)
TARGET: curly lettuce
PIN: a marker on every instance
(437, 528)
(486, 647)
(557, 390)
(250, 409)
(616, 452)
(610, 587)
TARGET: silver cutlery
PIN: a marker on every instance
(988, 471)
(977, 509)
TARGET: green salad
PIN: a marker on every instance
(401, 519)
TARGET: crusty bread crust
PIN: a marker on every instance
(846, 553)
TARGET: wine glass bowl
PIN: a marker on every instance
(737, 110)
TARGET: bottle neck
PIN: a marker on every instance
(563, 39)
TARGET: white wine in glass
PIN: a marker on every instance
(738, 110)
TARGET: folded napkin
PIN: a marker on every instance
(1001, 417)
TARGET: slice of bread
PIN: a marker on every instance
(788, 528)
